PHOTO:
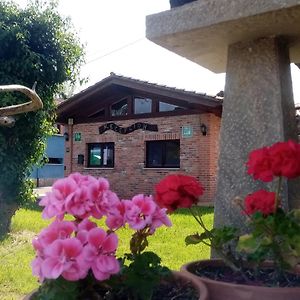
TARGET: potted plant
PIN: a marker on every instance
(261, 263)
(76, 257)
(176, 3)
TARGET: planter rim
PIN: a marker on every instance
(185, 267)
(200, 286)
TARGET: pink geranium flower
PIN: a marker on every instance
(83, 228)
(79, 204)
(139, 210)
(54, 203)
(159, 218)
(71, 249)
(55, 231)
(116, 217)
(99, 253)
(62, 258)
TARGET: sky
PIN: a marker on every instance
(113, 33)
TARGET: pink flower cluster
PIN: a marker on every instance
(72, 248)
(80, 196)
(69, 250)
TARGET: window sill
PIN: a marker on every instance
(160, 168)
(98, 168)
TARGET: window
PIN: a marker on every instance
(101, 155)
(163, 106)
(54, 160)
(120, 108)
(163, 154)
(142, 105)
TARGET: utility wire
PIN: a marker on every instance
(115, 50)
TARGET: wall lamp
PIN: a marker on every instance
(66, 135)
(203, 129)
(80, 159)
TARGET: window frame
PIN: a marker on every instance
(163, 157)
(134, 98)
(101, 146)
(116, 102)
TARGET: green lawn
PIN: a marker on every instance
(16, 251)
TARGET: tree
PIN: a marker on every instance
(37, 45)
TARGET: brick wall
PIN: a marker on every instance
(198, 154)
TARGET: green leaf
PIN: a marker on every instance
(247, 243)
(194, 239)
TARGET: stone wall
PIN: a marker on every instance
(198, 154)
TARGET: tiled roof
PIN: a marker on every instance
(113, 76)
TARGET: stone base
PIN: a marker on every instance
(258, 110)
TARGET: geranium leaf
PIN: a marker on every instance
(194, 239)
(247, 243)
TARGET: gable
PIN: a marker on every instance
(118, 97)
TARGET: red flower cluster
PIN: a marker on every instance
(175, 191)
(260, 201)
(281, 159)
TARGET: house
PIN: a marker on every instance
(134, 133)
(53, 169)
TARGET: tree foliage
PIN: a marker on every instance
(37, 45)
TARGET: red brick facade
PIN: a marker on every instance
(198, 154)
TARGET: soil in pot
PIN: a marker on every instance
(261, 277)
(179, 287)
(223, 284)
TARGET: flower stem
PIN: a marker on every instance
(276, 204)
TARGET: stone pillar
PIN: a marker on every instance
(258, 110)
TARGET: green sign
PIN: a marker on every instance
(77, 136)
(187, 131)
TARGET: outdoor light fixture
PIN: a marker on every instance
(80, 159)
(66, 135)
(203, 129)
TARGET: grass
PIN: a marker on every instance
(16, 251)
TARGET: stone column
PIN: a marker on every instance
(258, 110)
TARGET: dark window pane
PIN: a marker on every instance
(55, 160)
(142, 105)
(172, 154)
(163, 154)
(155, 153)
(120, 108)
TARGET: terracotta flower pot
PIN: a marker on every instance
(219, 290)
(28, 297)
(199, 286)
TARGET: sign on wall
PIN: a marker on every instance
(187, 131)
(126, 130)
(77, 136)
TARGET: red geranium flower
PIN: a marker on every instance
(260, 201)
(281, 159)
(175, 191)
(285, 159)
(259, 164)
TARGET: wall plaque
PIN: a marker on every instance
(126, 130)
(187, 131)
(77, 136)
